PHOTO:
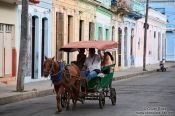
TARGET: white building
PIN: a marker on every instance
(155, 49)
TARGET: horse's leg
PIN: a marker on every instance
(68, 100)
(58, 97)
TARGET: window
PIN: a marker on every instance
(81, 30)
(107, 34)
(8, 28)
(154, 34)
(100, 33)
(91, 31)
(1, 28)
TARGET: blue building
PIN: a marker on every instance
(167, 7)
(40, 34)
(127, 30)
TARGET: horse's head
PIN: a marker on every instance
(48, 66)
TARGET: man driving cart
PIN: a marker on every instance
(92, 65)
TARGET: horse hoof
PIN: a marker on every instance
(67, 109)
(58, 111)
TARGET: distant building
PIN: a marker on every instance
(155, 49)
(167, 7)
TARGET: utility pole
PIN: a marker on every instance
(22, 67)
(145, 36)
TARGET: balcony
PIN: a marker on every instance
(137, 10)
(121, 7)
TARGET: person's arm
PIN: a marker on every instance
(85, 65)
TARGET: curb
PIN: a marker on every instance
(137, 74)
(24, 96)
(132, 75)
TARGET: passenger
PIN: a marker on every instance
(106, 61)
(81, 57)
(92, 65)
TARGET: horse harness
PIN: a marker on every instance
(64, 70)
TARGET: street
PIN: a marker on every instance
(146, 95)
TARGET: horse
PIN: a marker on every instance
(66, 80)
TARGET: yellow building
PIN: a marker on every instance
(64, 24)
(73, 20)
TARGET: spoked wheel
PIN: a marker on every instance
(113, 96)
(64, 99)
(101, 100)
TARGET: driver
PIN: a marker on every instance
(92, 65)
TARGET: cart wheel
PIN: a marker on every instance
(63, 99)
(101, 100)
(113, 96)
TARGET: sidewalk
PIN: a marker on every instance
(43, 88)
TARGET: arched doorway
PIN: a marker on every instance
(35, 25)
(44, 45)
(131, 49)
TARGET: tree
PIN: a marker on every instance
(23, 47)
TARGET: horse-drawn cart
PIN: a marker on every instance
(100, 87)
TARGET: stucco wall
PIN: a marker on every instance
(155, 38)
(103, 21)
(8, 13)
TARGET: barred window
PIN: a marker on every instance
(8, 28)
(1, 27)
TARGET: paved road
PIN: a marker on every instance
(146, 95)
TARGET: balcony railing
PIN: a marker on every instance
(137, 10)
(121, 7)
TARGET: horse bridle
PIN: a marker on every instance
(50, 72)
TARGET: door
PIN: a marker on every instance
(8, 50)
(5, 50)
(1, 50)
(126, 47)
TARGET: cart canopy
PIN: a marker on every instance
(101, 45)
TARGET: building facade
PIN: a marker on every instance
(103, 20)
(8, 39)
(155, 49)
(40, 34)
(65, 15)
(167, 7)
(127, 34)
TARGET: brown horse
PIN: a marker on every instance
(65, 80)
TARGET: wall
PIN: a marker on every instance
(10, 10)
